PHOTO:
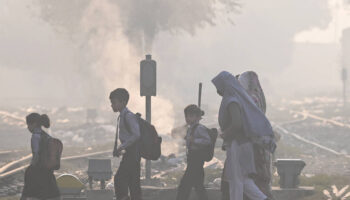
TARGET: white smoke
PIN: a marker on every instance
(111, 36)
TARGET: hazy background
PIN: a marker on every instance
(74, 52)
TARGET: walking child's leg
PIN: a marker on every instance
(225, 190)
(134, 184)
(199, 180)
(121, 179)
(186, 183)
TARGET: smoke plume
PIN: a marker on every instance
(139, 21)
(111, 36)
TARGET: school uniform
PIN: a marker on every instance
(127, 177)
(39, 182)
(194, 174)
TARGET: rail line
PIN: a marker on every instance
(296, 121)
(8, 152)
(5, 172)
(312, 116)
(21, 168)
(13, 163)
(298, 137)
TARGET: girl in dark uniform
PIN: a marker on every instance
(39, 182)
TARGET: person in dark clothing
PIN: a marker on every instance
(39, 182)
(197, 139)
(127, 177)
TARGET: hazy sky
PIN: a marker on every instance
(332, 33)
(39, 64)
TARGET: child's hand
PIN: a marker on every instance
(114, 152)
(120, 151)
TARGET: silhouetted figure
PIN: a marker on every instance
(39, 181)
(127, 177)
(197, 138)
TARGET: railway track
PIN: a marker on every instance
(13, 163)
(8, 152)
(312, 143)
(306, 115)
(5, 172)
(15, 167)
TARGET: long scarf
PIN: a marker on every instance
(255, 124)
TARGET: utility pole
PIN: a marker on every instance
(344, 79)
(200, 95)
(345, 44)
(148, 88)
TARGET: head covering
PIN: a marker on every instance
(255, 124)
(250, 82)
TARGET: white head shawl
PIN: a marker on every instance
(255, 124)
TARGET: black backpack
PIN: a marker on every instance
(51, 151)
(209, 150)
(150, 142)
(207, 153)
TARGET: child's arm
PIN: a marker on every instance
(35, 143)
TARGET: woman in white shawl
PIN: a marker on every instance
(242, 122)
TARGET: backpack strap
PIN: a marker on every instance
(44, 137)
(127, 126)
(194, 129)
(192, 132)
(43, 147)
(117, 134)
(118, 126)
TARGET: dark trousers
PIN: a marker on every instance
(127, 177)
(193, 177)
(225, 190)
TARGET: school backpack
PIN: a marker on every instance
(209, 150)
(51, 156)
(207, 153)
(150, 142)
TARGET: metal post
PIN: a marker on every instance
(200, 95)
(344, 79)
(344, 92)
(148, 118)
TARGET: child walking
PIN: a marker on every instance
(39, 181)
(127, 177)
(197, 139)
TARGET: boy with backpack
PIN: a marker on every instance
(127, 177)
(198, 139)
